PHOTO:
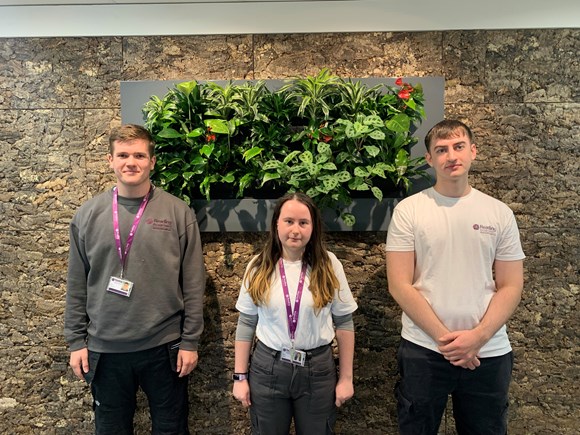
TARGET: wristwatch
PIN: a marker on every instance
(240, 376)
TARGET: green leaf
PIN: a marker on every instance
(373, 120)
(291, 156)
(377, 135)
(252, 152)
(372, 150)
(186, 87)
(207, 149)
(306, 157)
(271, 164)
(378, 193)
(196, 132)
(187, 175)
(170, 176)
(270, 176)
(400, 123)
(330, 184)
(343, 176)
(348, 219)
(329, 166)
(229, 178)
(312, 192)
(323, 148)
(359, 171)
(217, 126)
(169, 133)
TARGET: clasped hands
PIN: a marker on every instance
(461, 348)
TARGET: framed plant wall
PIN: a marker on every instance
(340, 140)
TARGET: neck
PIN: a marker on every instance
(453, 189)
(133, 191)
(292, 256)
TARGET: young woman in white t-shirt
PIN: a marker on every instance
(294, 300)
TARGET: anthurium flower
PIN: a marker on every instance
(399, 81)
(404, 94)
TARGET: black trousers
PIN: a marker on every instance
(117, 378)
(280, 391)
(480, 396)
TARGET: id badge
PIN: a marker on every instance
(120, 286)
(293, 356)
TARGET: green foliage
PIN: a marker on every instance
(321, 135)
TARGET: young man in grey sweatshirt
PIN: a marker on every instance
(134, 304)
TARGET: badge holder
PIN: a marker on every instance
(120, 286)
(293, 356)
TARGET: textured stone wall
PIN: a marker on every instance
(59, 97)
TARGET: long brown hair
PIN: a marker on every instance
(323, 281)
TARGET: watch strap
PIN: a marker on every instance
(240, 376)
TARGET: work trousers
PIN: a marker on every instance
(480, 396)
(280, 391)
(117, 377)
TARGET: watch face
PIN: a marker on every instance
(239, 376)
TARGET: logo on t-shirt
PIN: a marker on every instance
(485, 229)
(160, 224)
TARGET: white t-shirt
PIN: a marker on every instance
(456, 241)
(313, 330)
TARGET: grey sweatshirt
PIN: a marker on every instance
(165, 264)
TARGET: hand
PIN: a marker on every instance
(241, 392)
(186, 362)
(79, 361)
(461, 348)
(344, 391)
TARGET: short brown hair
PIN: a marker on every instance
(446, 129)
(128, 132)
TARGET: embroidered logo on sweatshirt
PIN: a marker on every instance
(485, 229)
(160, 224)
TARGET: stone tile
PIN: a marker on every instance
(211, 57)
(46, 73)
(533, 66)
(348, 54)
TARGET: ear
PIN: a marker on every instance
(473, 151)
(110, 160)
(428, 159)
(153, 160)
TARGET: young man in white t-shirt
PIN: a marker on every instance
(455, 266)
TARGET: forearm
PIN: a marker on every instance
(509, 278)
(242, 356)
(345, 340)
(500, 309)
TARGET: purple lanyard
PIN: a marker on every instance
(123, 254)
(292, 316)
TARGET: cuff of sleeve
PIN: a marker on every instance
(189, 345)
(77, 344)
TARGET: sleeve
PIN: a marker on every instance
(510, 247)
(246, 329)
(400, 236)
(343, 302)
(343, 322)
(245, 304)
(75, 316)
(193, 286)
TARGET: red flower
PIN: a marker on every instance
(326, 138)
(210, 137)
(399, 81)
(404, 94)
